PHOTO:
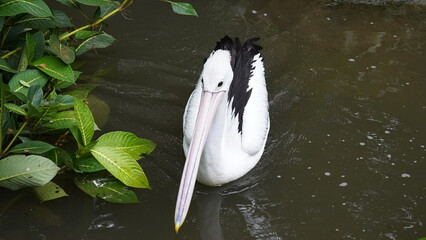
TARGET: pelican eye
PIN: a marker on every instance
(220, 84)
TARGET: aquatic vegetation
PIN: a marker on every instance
(47, 127)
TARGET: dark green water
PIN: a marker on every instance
(345, 155)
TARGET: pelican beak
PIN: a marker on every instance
(206, 112)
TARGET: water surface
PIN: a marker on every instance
(345, 154)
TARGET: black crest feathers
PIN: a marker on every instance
(242, 65)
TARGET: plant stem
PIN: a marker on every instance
(14, 138)
(11, 53)
(122, 6)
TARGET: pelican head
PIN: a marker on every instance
(217, 73)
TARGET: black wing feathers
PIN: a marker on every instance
(242, 66)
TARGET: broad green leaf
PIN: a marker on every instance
(54, 67)
(34, 7)
(49, 191)
(60, 101)
(32, 147)
(30, 21)
(121, 165)
(94, 2)
(59, 156)
(77, 135)
(102, 40)
(85, 34)
(30, 45)
(20, 171)
(60, 19)
(23, 61)
(62, 120)
(64, 84)
(5, 66)
(70, 3)
(88, 165)
(183, 8)
(128, 142)
(30, 76)
(105, 187)
(39, 44)
(15, 108)
(35, 95)
(105, 9)
(85, 121)
(65, 53)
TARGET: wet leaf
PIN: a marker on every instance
(62, 120)
(32, 147)
(5, 66)
(183, 8)
(94, 2)
(121, 165)
(128, 142)
(85, 121)
(60, 19)
(65, 53)
(88, 165)
(30, 77)
(15, 108)
(20, 171)
(30, 21)
(70, 3)
(34, 7)
(107, 188)
(105, 9)
(54, 67)
(49, 191)
(102, 40)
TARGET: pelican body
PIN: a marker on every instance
(226, 120)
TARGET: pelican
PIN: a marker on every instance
(226, 120)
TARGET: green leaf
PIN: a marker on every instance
(30, 21)
(94, 2)
(106, 9)
(183, 8)
(32, 147)
(33, 112)
(39, 44)
(62, 120)
(107, 188)
(49, 191)
(77, 135)
(59, 156)
(85, 34)
(35, 95)
(65, 53)
(102, 40)
(1, 23)
(85, 121)
(34, 7)
(121, 165)
(54, 67)
(20, 171)
(30, 45)
(15, 108)
(30, 77)
(128, 142)
(60, 101)
(88, 165)
(5, 66)
(70, 3)
(60, 19)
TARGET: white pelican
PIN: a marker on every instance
(226, 120)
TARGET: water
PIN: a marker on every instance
(345, 154)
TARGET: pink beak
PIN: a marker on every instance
(206, 112)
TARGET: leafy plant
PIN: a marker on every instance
(39, 47)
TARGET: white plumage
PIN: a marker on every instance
(226, 119)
